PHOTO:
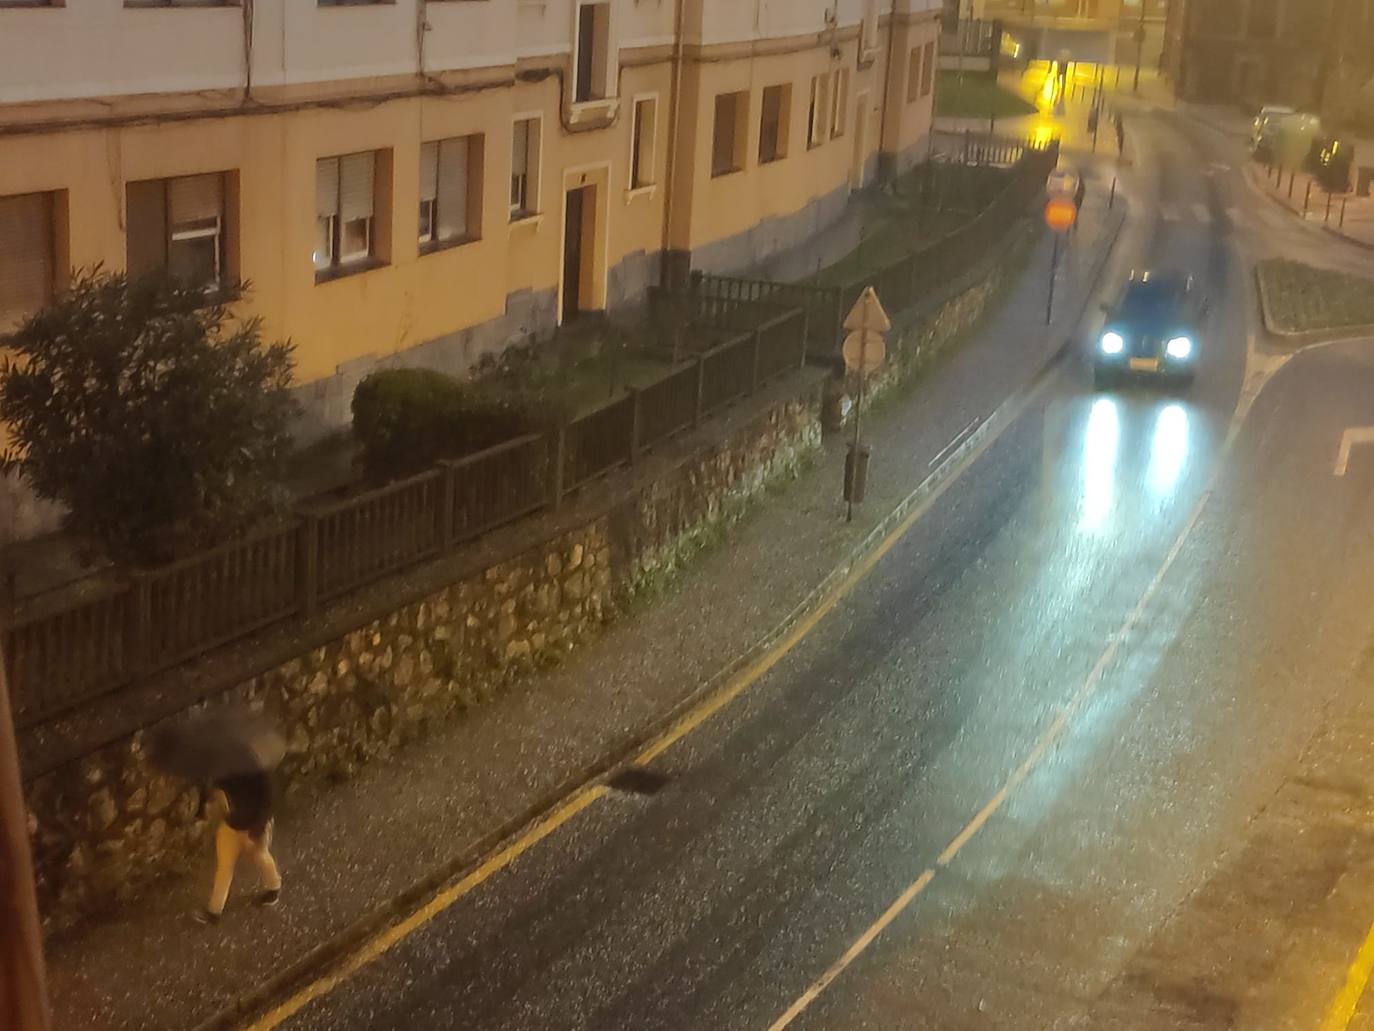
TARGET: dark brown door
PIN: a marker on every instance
(572, 253)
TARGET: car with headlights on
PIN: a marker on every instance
(1152, 332)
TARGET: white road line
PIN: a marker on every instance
(959, 439)
(1352, 436)
(1168, 212)
(1042, 746)
(1204, 216)
(1237, 217)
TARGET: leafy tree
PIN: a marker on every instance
(156, 420)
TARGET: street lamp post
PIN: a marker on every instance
(1139, 46)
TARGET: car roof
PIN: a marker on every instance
(1159, 280)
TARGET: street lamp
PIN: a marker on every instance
(1139, 45)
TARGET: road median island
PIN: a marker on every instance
(1302, 304)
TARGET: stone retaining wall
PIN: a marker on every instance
(108, 823)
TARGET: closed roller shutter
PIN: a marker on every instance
(26, 257)
(195, 198)
(355, 185)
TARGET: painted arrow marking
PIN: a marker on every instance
(1352, 436)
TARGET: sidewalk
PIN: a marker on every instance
(351, 850)
(1349, 217)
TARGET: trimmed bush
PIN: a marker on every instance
(159, 420)
(406, 420)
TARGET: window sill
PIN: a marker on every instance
(526, 218)
(602, 108)
(434, 247)
(726, 173)
(647, 190)
(765, 162)
(867, 57)
(344, 271)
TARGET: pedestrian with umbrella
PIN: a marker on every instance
(234, 752)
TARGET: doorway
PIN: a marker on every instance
(579, 234)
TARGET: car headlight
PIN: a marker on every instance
(1179, 347)
(1112, 343)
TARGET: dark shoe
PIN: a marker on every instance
(268, 898)
(204, 916)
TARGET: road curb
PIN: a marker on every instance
(260, 998)
(1260, 186)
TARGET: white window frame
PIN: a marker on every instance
(818, 131)
(432, 240)
(342, 262)
(648, 148)
(604, 97)
(839, 103)
(534, 201)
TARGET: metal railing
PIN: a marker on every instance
(60, 657)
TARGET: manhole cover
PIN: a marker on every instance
(638, 780)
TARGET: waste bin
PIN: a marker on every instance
(856, 473)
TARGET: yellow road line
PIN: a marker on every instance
(1342, 1010)
(537, 832)
(861, 569)
(398, 932)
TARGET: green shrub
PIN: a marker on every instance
(159, 422)
(405, 420)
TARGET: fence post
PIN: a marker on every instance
(309, 557)
(560, 459)
(447, 502)
(756, 338)
(701, 389)
(635, 416)
(141, 594)
(1306, 198)
(1328, 208)
(802, 338)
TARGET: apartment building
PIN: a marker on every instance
(1316, 55)
(1117, 32)
(424, 181)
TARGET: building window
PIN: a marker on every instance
(178, 226)
(773, 123)
(817, 130)
(869, 32)
(524, 168)
(345, 189)
(450, 190)
(928, 70)
(28, 266)
(839, 113)
(158, 3)
(728, 133)
(643, 136)
(591, 70)
(913, 76)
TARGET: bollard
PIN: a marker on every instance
(1327, 219)
(1111, 198)
(856, 473)
(1292, 177)
(1343, 201)
(1307, 198)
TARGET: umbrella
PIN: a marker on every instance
(216, 743)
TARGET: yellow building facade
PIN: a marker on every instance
(427, 181)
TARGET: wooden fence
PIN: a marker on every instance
(60, 658)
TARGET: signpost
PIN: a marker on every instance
(864, 352)
(1061, 213)
(23, 994)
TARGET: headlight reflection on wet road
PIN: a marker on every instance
(1168, 451)
(1100, 448)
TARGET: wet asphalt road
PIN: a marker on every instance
(788, 824)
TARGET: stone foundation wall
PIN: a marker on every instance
(103, 826)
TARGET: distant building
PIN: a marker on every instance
(1315, 55)
(426, 181)
(1108, 32)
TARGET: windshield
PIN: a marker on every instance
(1152, 301)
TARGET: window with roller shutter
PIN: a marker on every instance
(450, 181)
(27, 257)
(178, 225)
(345, 190)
